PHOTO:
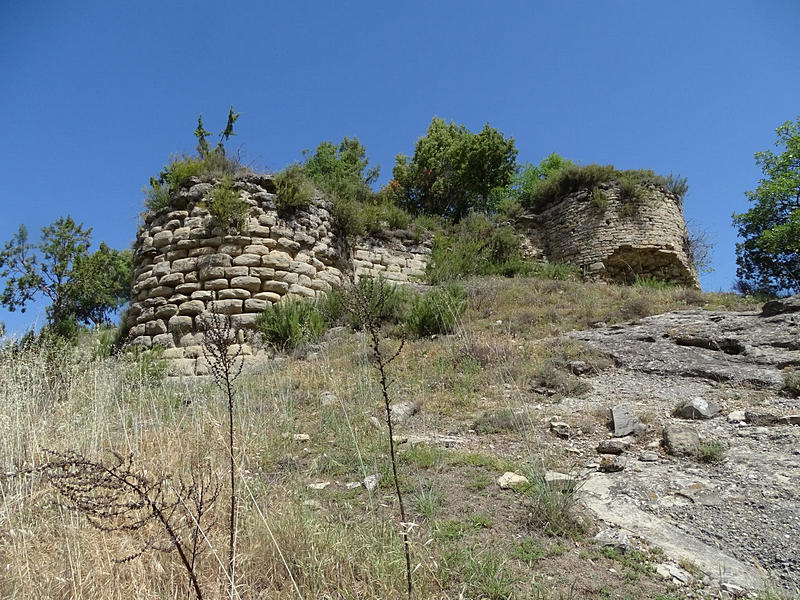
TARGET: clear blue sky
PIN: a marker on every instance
(94, 95)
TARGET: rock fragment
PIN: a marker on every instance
(681, 440)
(510, 480)
(613, 538)
(402, 411)
(698, 408)
(612, 446)
(561, 429)
(624, 421)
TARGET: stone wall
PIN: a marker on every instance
(397, 256)
(185, 268)
(617, 241)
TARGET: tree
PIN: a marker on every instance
(453, 171)
(81, 287)
(769, 257)
(341, 171)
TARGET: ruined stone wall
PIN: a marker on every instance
(186, 268)
(620, 240)
(397, 256)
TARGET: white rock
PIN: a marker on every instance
(319, 486)
(371, 482)
(301, 437)
(509, 480)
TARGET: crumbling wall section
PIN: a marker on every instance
(617, 239)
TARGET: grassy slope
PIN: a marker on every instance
(471, 539)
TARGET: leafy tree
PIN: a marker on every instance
(201, 134)
(342, 171)
(81, 286)
(530, 176)
(453, 171)
(769, 257)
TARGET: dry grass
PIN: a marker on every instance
(295, 542)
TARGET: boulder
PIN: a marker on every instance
(509, 480)
(624, 421)
(681, 440)
(698, 408)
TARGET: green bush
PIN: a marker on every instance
(156, 196)
(227, 209)
(289, 324)
(294, 189)
(476, 246)
(396, 304)
(712, 451)
(437, 311)
(599, 199)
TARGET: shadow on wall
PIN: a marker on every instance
(627, 263)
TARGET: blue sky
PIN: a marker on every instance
(94, 96)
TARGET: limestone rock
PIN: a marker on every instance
(624, 421)
(402, 411)
(610, 464)
(561, 429)
(698, 408)
(613, 538)
(510, 480)
(681, 440)
(612, 446)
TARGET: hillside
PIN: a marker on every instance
(315, 523)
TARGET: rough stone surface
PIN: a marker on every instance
(698, 408)
(623, 420)
(613, 538)
(403, 410)
(509, 480)
(681, 440)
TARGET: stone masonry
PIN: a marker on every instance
(618, 241)
(185, 268)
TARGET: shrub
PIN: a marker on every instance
(791, 381)
(437, 311)
(294, 190)
(476, 246)
(712, 451)
(599, 199)
(552, 505)
(227, 209)
(287, 325)
(156, 196)
(677, 185)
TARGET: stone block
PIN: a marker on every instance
(236, 272)
(165, 340)
(233, 293)
(216, 284)
(226, 307)
(161, 269)
(161, 291)
(303, 269)
(155, 327)
(256, 249)
(166, 311)
(136, 331)
(255, 305)
(206, 273)
(173, 353)
(162, 239)
(320, 285)
(299, 290)
(203, 295)
(194, 351)
(245, 321)
(271, 297)
(248, 260)
(181, 323)
(176, 254)
(187, 288)
(276, 260)
(278, 287)
(262, 272)
(191, 308)
(171, 279)
(184, 265)
(191, 339)
(252, 284)
(181, 234)
(143, 340)
(286, 276)
(214, 260)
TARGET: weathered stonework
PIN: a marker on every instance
(185, 268)
(617, 241)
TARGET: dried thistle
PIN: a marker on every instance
(225, 364)
(367, 305)
(117, 496)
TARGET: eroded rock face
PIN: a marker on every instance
(749, 348)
